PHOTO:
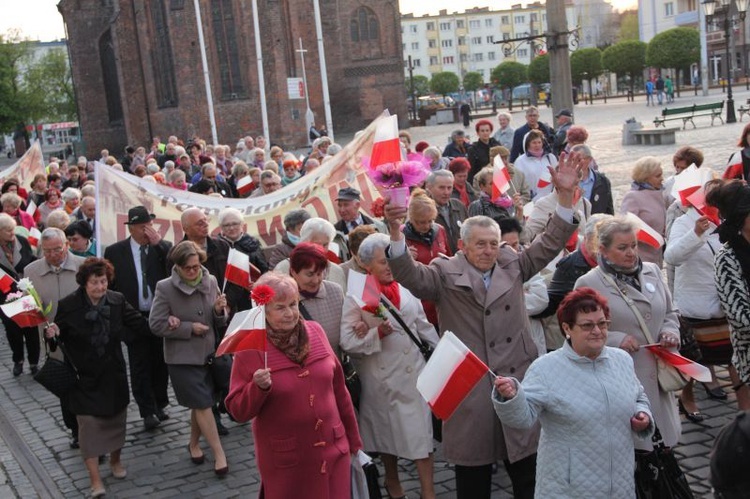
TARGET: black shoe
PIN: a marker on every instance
(223, 431)
(716, 393)
(162, 415)
(74, 443)
(34, 370)
(150, 422)
(695, 417)
(17, 369)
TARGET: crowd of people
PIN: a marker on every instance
(545, 283)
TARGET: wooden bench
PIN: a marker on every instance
(655, 137)
(688, 113)
(744, 109)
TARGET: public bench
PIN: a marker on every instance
(686, 114)
(744, 109)
(655, 137)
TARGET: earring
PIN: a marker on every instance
(567, 336)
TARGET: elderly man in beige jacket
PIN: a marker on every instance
(54, 278)
(480, 297)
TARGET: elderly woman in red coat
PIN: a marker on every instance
(304, 424)
(425, 239)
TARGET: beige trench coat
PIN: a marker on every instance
(655, 304)
(493, 324)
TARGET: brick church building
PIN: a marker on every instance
(137, 67)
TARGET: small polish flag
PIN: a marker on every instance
(24, 312)
(332, 253)
(386, 147)
(245, 185)
(255, 273)
(247, 331)
(238, 268)
(363, 288)
(31, 208)
(696, 371)
(545, 178)
(698, 201)
(735, 170)
(34, 236)
(690, 180)
(646, 234)
(450, 375)
(500, 178)
(6, 282)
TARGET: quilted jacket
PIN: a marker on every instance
(585, 406)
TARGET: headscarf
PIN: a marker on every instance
(98, 318)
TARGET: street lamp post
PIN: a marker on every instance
(709, 7)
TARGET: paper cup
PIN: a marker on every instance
(399, 196)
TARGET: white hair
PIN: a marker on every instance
(314, 226)
(229, 213)
(70, 193)
(478, 221)
(370, 245)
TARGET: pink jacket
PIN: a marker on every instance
(304, 426)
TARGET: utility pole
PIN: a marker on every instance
(559, 57)
(309, 116)
(411, 91)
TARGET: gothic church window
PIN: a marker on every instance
(161, 57)
(364, 26)
(110, 79)
(227, 49)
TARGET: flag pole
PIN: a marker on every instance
(224, 285)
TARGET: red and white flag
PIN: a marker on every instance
(34, 237)
(247, 331)
(333, 252)
(698, 201)
(24, 312)
(450, 375)
(646, 234)
(735, 170)
(31, 208)
(545, 178)
(690, 180)
(238, 268)
(386, 147)
(245, 185)
(696, 371)
(363, 288)
(6, 282)
(500, 178)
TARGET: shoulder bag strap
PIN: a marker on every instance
(67, 357)
(303, 310)
(423, 347)
(630, 303)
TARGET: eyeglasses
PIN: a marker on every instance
(191, 268)
(52, 251)
(603, 325)
(230, 225)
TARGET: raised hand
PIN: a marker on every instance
(394, 217)
(566, 177)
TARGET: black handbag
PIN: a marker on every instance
(689, 347)
(426, 351)
(658, 474)
(57, 376)
(351, 377)
(372, 475)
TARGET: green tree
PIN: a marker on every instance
(48, 86)
(539, 70)
(444, 83)
(676, 48)
(626, 58)
(585, 64)
(509, 74)
(629, 26)
(13, 51)
(473, 81)
(421, 86)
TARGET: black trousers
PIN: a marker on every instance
(70, 419)
(148, 374)
(475, 482)
(17, 335)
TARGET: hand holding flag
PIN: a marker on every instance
(686, 366)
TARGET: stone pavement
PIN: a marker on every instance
(36, 461)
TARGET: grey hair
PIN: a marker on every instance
(334, 149)
(591, 228)
(581, 149)
(432, 177)
(70, 193)
(88, 199)
(228, 213)
(295, 218)
(153, 168)
(615, 225)
(176, 174)
(206, 167)
(11, 198)
(505, 114)
(269, 174)
(315, 226)
(59, 219)
(432, 150)
(484, 176)
(169, 165)
(370, 245)
(477, 221)
(457, 133)
(7, 222)
(51, 233)
(240, 167)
